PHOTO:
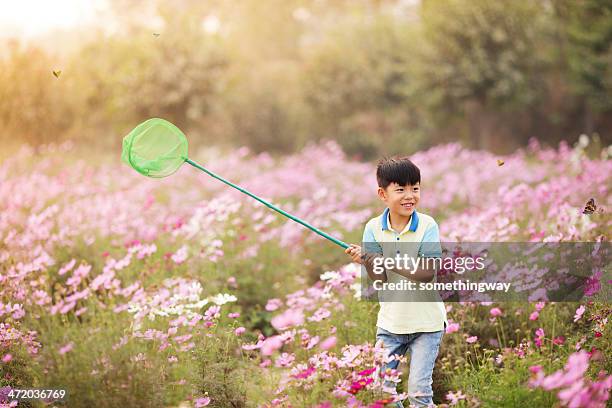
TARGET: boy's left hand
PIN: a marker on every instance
(354, 251)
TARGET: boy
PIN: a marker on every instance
(415, 326)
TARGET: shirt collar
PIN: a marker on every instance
(414, 221)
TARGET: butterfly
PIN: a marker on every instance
(590, 207)
(500, 162)
(156, 34)
(57, 73)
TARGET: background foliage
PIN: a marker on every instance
(377, 76)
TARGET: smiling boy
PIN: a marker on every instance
(406, 326)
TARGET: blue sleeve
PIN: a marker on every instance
(430, 245)
(369, 241)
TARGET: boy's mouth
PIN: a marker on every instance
(408, 206)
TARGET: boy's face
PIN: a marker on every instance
(401, 200)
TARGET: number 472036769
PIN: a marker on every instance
(37, 393)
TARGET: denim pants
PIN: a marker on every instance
(423, 349)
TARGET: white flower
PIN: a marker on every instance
(223, 298)
(356, 287)
(181, 255)
(329, 275)
(198, 305)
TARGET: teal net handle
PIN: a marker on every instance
(269, 205)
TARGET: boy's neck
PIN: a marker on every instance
(398, 222)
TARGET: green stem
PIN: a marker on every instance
(498, 338)
(552, 337)
(501, 325)
(270, 205)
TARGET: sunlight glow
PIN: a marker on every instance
(30, 18)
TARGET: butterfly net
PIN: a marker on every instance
(155, 148)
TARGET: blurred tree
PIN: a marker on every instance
(263, 30)
(177, 76)
(480, 57)
(378, 76)
(261, 107)
(586, 29)
(34, 104)
(354, 82)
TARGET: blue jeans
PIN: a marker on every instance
(423, 348)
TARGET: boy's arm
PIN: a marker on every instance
(372, 250)
(368, 263)
(430, 248)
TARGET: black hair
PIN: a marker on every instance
(398, 170)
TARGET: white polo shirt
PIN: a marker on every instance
(406, 317)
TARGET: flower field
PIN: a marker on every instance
(181, 292)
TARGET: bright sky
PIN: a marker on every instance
(30, 18)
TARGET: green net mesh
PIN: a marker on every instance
(155, 148)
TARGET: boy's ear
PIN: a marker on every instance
(382, 194)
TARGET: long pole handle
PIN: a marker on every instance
(270, 205)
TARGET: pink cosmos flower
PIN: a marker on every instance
(559, 340)
(213, 312)
(496, 311)
(593, 284)
(579, 343)
(271, 344)
(455, 397)
(18, 312)
(534, 316)
(358, 385)
(273, 304)
(67, 348)
(287, 319)
(285, 360)
(577, 364)
(535, 369)
(304, 373)
(328, 343)
(366, 372)
(579, 313)
(7, 358)
(452, 328)
(201, 402)
(313, 341)
(472, 339)
(239, 331)
(539, 337)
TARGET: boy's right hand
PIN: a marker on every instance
(354, 251)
